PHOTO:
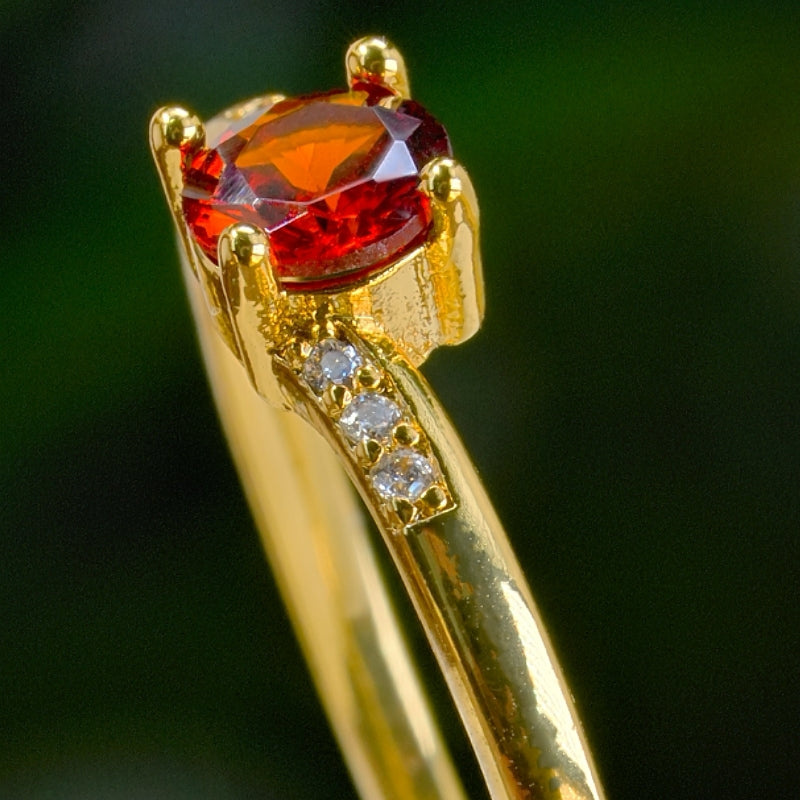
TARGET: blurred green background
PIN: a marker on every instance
(633, 402)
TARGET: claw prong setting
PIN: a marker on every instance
(259, 298)
(373, 59)
(176, 127)
(244, 244)
(441, 180)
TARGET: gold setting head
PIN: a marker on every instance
(373, 59)
(426, 298)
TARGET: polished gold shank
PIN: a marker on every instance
(321, 554)
(446, 541)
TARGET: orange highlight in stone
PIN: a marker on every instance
(308, 159)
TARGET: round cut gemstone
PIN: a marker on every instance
(370, 416)
(331, 361)
(402, 474)
(332, 178)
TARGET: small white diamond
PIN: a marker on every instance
(370, 416)
(402, 474)
(330, 361)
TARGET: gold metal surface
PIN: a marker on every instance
(375, 60)
(431, 297)
(448, 545)
(318, 546)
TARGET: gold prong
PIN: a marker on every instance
(435, 498)
(369, 451)
(405, 434)
(405, 509)
(368, 377)
(441, 181)
(174, 127)
(243, 244)
(373, 59)
(241, 263)
(336, 397)
(243, 250)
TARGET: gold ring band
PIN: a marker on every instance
(376, 425)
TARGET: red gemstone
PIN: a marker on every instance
(332, 178)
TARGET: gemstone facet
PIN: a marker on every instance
(332, 178)
(402, 474)
(331, 361)
(370, 416)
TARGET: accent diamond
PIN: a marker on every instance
(331, 361)
(370, 416)
(402, 474)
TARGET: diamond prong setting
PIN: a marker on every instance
(330, 362)
(367, 413)
(370, 415)
(403, 474)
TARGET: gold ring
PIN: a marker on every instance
(330, 243)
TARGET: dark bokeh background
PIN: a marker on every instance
(632, 402)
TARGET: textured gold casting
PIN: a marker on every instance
(453, 556)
